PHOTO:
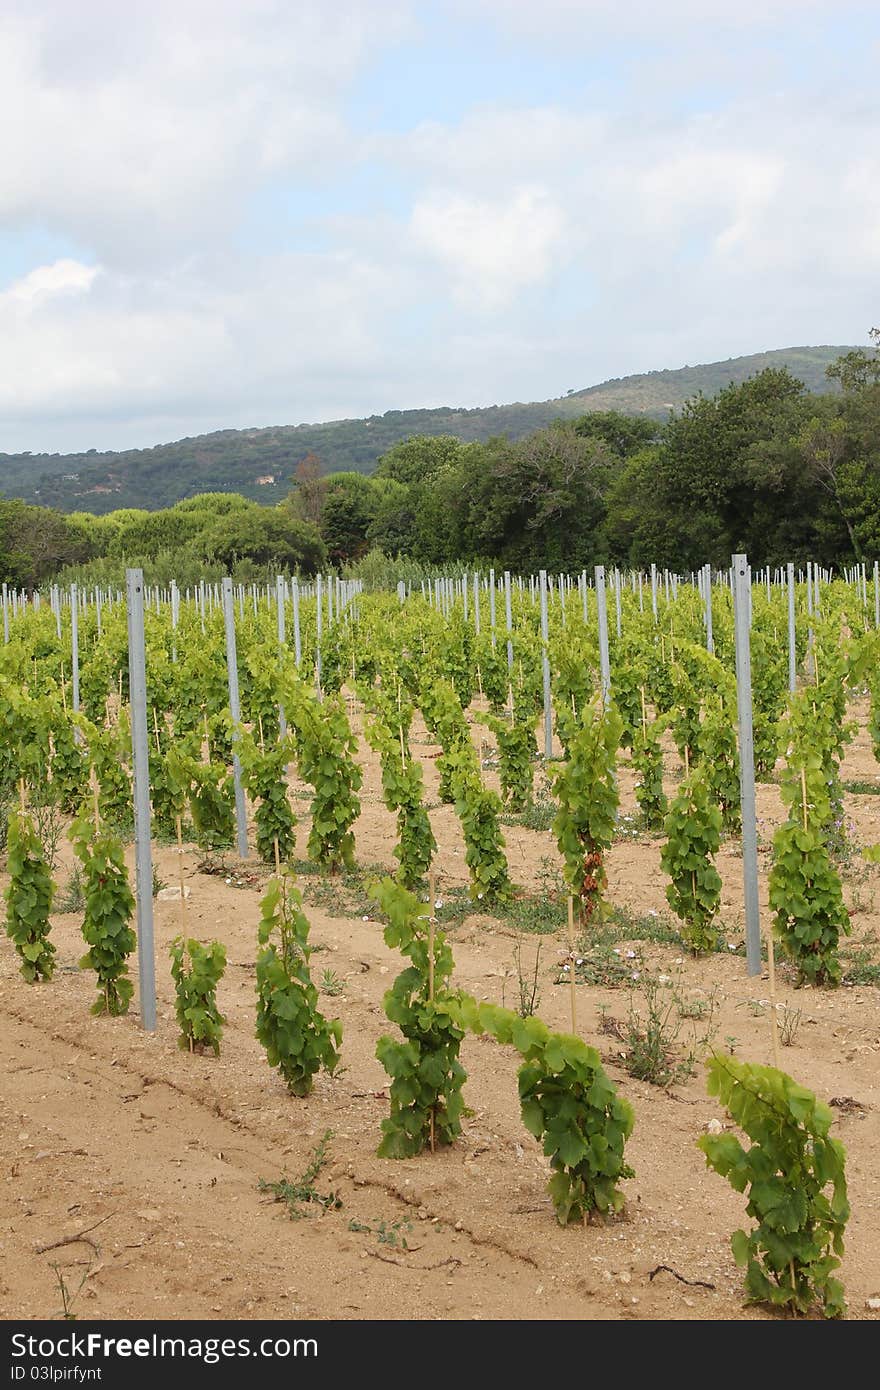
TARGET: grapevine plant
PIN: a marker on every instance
(297, 1038)
(29, 898)
(515, 738)
(719, 760)
(325, 748)
(789, 1256)
(197, 971)
(647, 757)
(568, 1103)
(693, 836)
(263, 773)
(805, 890)
(403, 792)
(426, 1074)
(478, 809)
(109, 906)
(586, 789)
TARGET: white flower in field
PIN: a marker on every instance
(630, 955)
(229, 880)
(636, 974)
(366, 918)
(579, 961)
(438, 904)
(652, 912)
(566, 967)
(479, 897)
(614, 951)
(731, 946)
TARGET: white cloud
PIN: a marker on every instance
(698, 206)
(61, 277)
(138, 129)
(491, 249)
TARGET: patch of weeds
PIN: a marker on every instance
(537, 815)
(299, 1192)
(527, 983)
(653, 1030)
(537, 915)
(862, 788)
(72, 898)
(629, 827)
(694, 1009)
(756, 1007)
(789, 1022)
(331, 983)
(453, 906)
(341, 894)
(68, 1295)
(393, 1235)
(603, 964)
(861, 968)
(731, 1043)
(626, 925)
(158, 883)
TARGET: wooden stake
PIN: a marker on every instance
(156, 732)
(179, 830)
(277, 856)
(687, 762)
(571, 964)
(95, 802)
(644, 713)
(260, 727)
(804, 795)
(21, 794)
(771, 971)
(432, 892)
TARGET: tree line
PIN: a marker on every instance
(762, 467)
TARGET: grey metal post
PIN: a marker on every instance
(319, 621)
(477, 604)
(5, 613)
(792, 647)
(74, 648)
(604, 665)
(508, 619)
(280, 588)
(140, 746)
(175, 617)
(654, 590)
(492, 607)
(583, 585)
(876, 594)
(742, 585)
(545, 667)
(617, 599)
(297, 639)
(235, 711)
(707, 599)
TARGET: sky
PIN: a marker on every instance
(231, 213)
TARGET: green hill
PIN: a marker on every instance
(259, 462)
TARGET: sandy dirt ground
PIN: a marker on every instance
(154, 1157)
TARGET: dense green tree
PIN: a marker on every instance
(264, 536)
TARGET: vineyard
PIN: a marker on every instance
(422, 977)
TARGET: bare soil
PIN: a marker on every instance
(151, 1158)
